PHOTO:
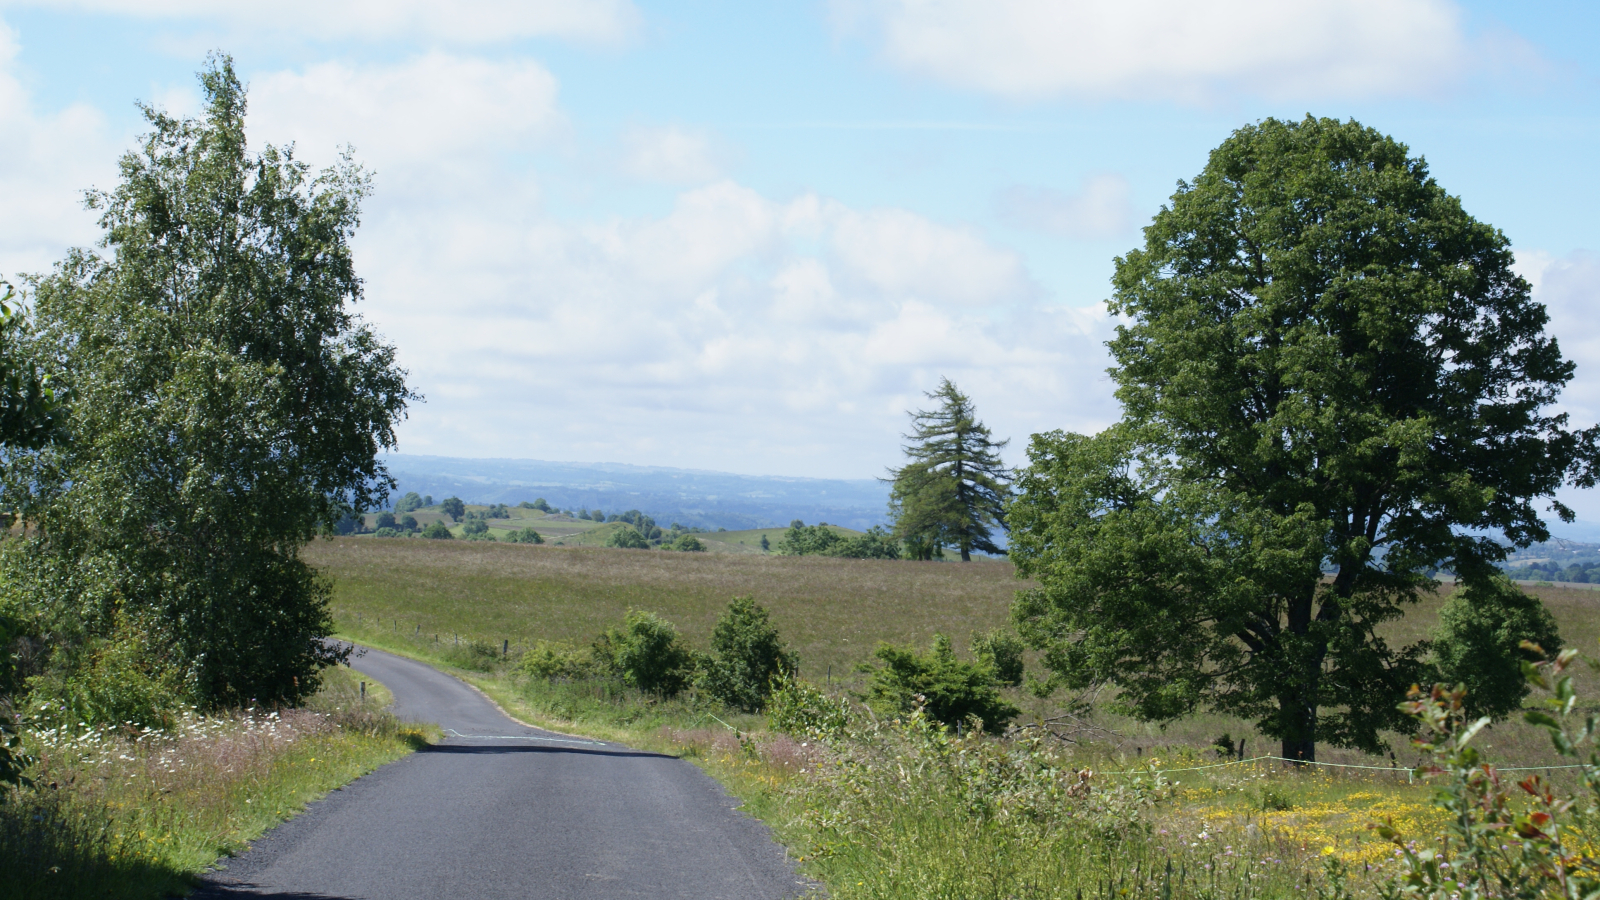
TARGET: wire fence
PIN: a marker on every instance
(1410, 773)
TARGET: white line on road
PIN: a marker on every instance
(519, 737)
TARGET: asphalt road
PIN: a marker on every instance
(499, 809)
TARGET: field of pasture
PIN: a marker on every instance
(833, 612)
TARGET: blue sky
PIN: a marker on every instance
(745, 236)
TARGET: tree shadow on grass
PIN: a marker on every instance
(51, 848)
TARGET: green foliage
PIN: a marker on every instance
(30, 409)
(386, 533)
(766, 545)
(476, 524)
(411, 502)
(498, 511)
(408, 523)
(128, 676)
(1477, 644)
(551, 660)
(1001, 651)
(627, 539)
(454, 508)
(524, 536)
(437, 531)
(384, 520)
(950, 690)
(538, 504)
(875, 543)
(953, 488)
(1327, 366)
(808, 540)
(801, 708)
(747, 655)
(227, 407)
(481, 536)
(1499, 843)
(647, 654)
(686, 543)
(14, 759)
(820, 540)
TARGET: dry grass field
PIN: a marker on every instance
(834, 612)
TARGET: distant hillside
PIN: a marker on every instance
(688, 496)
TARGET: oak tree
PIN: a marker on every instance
(1333, 384)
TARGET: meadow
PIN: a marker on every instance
(891, 809)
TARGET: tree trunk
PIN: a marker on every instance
(966, 554)
(1301, 751)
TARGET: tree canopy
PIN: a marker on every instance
(226, 407)
(1333, 383)
(953, 488)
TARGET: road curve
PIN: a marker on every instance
(499, 809)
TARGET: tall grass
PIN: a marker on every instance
(121, 812)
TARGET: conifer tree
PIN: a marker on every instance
(953, 488)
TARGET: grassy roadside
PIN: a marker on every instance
(120, 813)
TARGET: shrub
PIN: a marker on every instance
(875, 543)
(801, 708)
(1001, 651)
(384, 520)
(438, 532)
(646, 652)
(808, 540)
(1496, 844)
(687, 543)
(627, 539)
(386, 532)
(408, 523)
(551, 660)
(411, 502)
(475, 525)
(1477, 643)
(746, 656)
(524, 536)
(950, 690)
(481, 536)
(125, 677)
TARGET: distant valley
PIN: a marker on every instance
(692, 497)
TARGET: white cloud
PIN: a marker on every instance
(460, 21)
(1170, 49)
(734, 331)
(906, 255)
(47, 160)
(1569, 287)
(436, 110)
(1101, 208)
(672, 155)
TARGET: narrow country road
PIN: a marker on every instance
(499, 809)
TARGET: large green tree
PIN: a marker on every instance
(1333, 382)
(226, 406)
(953, 488)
